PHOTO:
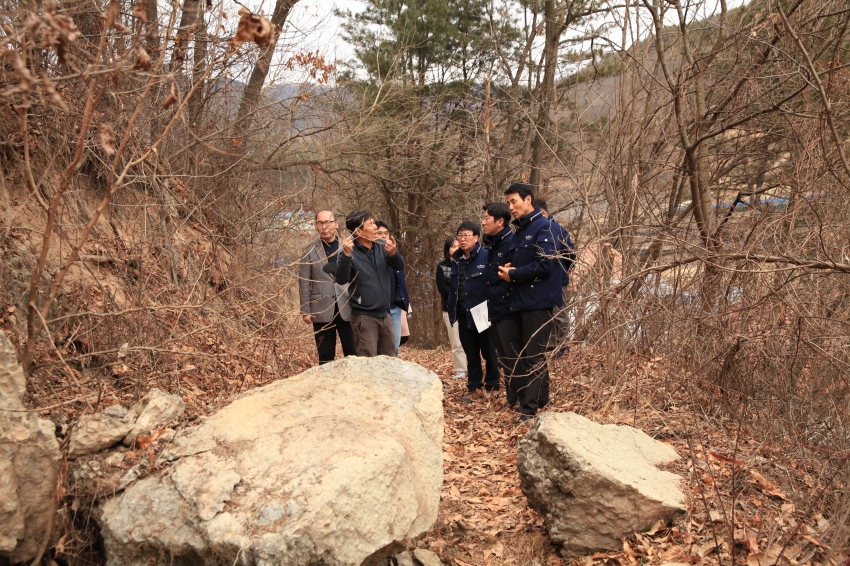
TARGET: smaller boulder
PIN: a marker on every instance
(594, 484)
(93, 433)
(154, 410)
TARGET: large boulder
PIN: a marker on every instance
(594, 484)
(340, 465)
(29, 465)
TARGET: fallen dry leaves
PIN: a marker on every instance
(735, 513)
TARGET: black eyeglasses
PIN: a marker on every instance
(323, 224)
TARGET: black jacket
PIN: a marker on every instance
(444, 285)
(367, 272)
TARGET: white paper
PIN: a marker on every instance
(480, 317)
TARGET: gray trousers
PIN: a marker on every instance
(373, 336)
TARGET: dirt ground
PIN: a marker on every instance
(736, 512)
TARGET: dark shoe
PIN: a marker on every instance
(510, 406)
(525, 418)
(465, 399)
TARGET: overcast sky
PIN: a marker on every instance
(313, 27)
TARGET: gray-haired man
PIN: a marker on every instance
(324, 303)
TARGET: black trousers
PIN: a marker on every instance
(504, 335)
(477, 345)
(326, 332)
(523, 346)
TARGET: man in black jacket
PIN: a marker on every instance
(363, 264)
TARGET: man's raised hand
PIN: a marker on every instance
(390, 246)
(347, 243)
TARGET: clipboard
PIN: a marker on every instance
(480, 317)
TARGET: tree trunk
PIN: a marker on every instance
(547, 89)
(251, 96)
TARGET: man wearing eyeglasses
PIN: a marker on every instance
(468, 290)
(324, 303)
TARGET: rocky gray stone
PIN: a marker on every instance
(340, 465)
(154, 410)
(93, 433)
(594, 484)
(404, 559)
(29, 465)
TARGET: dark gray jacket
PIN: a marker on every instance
(366, 271)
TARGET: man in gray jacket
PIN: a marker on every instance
(363, 264)
(324, 303)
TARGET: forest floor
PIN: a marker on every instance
(737, 513)
(748, 501)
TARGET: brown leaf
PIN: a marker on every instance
(767, 486)
(50, 91)
(112, 12)
(60, 545)
(735, 461)
(143, 60)
(172, 95)
(253, 28)
(145, 441)
(140, 10)
(25, 78)
(107, 138)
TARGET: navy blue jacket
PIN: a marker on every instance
(398, 288)
(535, 283)
(566, 250)
(368, 274)
(498, 254)
(474, 284)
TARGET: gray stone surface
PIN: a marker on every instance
(154, 410)
(340, 465)
(92, 433)
(594, 484)
(29, 465)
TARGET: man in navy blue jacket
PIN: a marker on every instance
(363, 263)
(498, 240)
(566, 257)
(535, 280)
(468, 290)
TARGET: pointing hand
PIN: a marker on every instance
(390, 246)
(347, 243)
